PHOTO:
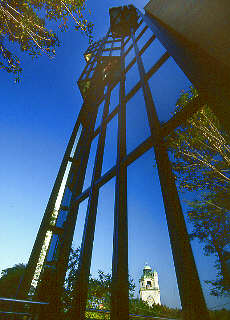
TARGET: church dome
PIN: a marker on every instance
(147, 271)
(146, 267)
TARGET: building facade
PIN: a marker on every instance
(149, 286)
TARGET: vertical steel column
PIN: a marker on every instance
(73, 208)
(191, 294)
(58, 263)
(81, 285)
(81, 157)
(36, 251)
(45, 224)
(52, 290)
(120, 288)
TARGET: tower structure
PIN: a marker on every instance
(149, 286)
(105, 68)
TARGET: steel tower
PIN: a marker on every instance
(105, 68)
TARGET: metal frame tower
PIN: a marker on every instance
(103, 71)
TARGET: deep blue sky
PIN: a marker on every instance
(37, 117)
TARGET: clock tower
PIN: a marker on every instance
(149, 287)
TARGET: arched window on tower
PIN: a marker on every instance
(149, 284)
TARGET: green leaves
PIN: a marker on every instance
(99, 290)
(10, 280)
(200, 148)
(23, 22)
(139, 307)
(200, 151)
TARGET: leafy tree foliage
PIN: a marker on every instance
(99, 294)
(99, 291)
(220, 314)
(211, 225)
(201, 150)
(10, 280)
(23, 22)
(201, 161)
(139, 307)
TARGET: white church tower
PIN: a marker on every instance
(149, 287)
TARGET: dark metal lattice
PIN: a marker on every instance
(102, 73)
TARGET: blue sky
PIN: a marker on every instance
(37, 116)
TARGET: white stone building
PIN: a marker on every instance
(149, 286)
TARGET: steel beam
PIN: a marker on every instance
(36, 251)
(81, 286)
(192, 300)
(120, 287)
